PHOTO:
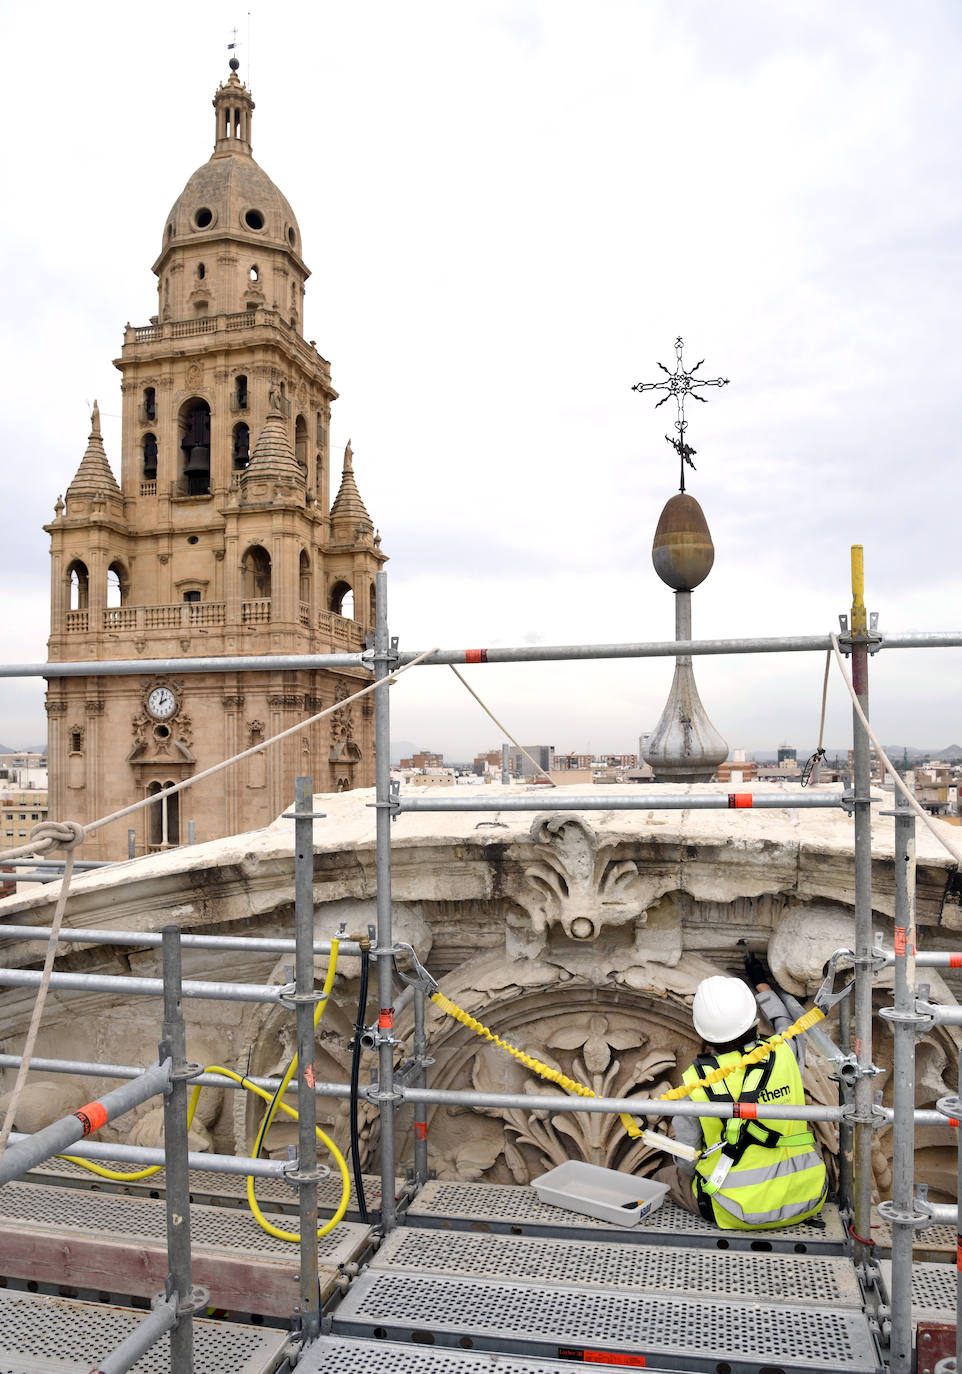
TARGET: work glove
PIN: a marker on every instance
(756, 970)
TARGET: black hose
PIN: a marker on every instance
(355, 1075)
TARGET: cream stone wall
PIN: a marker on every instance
(579, 936)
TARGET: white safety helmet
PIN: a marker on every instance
(723, 1009)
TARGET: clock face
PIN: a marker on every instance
(161, 703)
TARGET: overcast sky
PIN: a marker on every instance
(510, 211)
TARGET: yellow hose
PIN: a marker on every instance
(274, 1100)
(571, 1085)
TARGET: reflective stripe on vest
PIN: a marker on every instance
(768, 1184)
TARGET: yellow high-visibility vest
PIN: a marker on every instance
(755, 1174)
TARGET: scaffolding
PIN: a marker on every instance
(858, 1116)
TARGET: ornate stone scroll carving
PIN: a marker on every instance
(575, 884)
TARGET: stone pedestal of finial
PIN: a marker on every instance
(684, 746)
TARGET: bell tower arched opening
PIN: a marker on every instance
(78, 586)
(256, 574)
(194, 426)
(341, 600)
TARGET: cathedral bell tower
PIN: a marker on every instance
(219, 539)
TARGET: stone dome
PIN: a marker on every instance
(230, 194)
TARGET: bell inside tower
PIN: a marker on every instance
(195, 446)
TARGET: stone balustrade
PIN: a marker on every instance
(187, 615)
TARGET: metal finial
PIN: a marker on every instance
(681, 384)
(234, 64)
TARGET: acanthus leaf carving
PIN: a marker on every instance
(574, 884)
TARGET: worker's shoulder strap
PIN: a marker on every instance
(754, 1082)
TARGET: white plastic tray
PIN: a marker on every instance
(598, 1192)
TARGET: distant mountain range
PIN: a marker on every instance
(23, 749)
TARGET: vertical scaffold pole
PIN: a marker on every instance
(310, 1304)
(505, 769)
(903, 1072)
(863, 917)
(174, 1046)
(420, 1081)
(384, 660)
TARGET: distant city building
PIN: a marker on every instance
(424, 760)
(786, 754)
(20, 811)
(522, 767)
(736, 770)
(564, 763)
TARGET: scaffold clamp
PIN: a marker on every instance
(828, 996)
(420, 978)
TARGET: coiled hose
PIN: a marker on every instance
(274, 1102)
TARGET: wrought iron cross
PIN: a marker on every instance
(681, 384)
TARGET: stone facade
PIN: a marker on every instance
(577, 936)
(220, 538)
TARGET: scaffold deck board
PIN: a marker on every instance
(342, 1355)
(582, 1325)
(933, 1290)
(118, 1245)
(518, 1211)
(207, 1187)
(47, 1335)
(814, 1280)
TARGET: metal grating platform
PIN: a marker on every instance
(518, 1211)
(210, 1227)
(818, 1280)
(42, 1335)
(208, 1187)
(933, 1290)
(549, 1321)
(334, 1355)
(106, 1242)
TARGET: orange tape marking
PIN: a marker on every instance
(92, 1116)
(385, 1018)
(475, 655)
(746, 1110)
(737, 800)
(420, 1130)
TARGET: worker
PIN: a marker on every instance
(752, 1174)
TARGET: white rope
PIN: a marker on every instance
(484, 708)
(943, 838)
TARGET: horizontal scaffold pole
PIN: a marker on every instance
(438, 1096)
(247, 663)
(549, 800)
(525, 653)
(145, 987)
(146, 1157)
(255, 944)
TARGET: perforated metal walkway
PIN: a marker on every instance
(933, 1290)
(518, 1211)
(333, 1355)
(45, 1335)
(105, 1242)
(590, 1293)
